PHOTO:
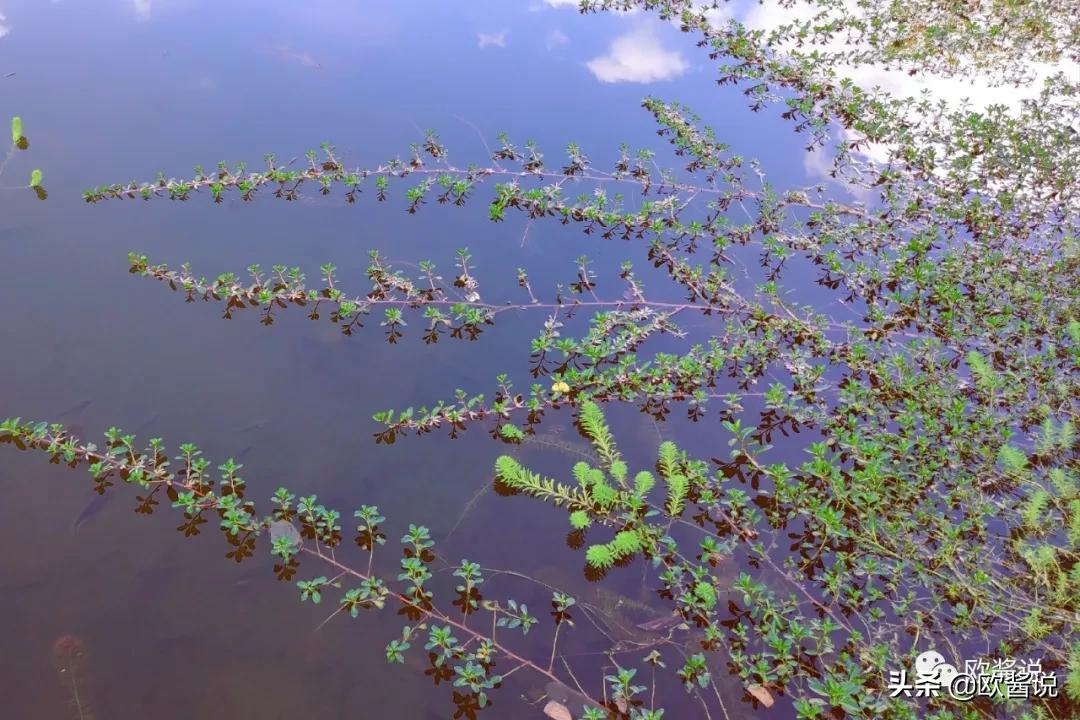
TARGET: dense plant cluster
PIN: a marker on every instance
(995, 39)
(939, 503)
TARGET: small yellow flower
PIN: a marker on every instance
(560, 387)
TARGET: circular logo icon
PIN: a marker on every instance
(932, 670)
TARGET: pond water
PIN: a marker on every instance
(109, 91)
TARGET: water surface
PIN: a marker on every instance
(112, 91)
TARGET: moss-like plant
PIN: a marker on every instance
(19, 141)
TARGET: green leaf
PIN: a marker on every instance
(1072, 680)
(706, 593)
(1012, 459)
(579, 520)
(35, 178)
(16, 129)
(511, 433)
(599, 557)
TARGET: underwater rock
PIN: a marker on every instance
(567, 698)
(557, 711)
(285, 529)
(760, 694)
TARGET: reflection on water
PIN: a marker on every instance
(138, 621)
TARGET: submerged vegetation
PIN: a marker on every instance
(19, 141)
(938, 506)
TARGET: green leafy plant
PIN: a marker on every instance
(19, 141)
(936, 502)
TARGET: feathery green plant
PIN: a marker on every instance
(939, 508)
(19, 141)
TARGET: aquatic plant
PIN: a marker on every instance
(69, 656)
(941, 504)
(459, 647)
(19, 141)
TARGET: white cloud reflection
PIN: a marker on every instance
(638, 57)
(555, 38)
(898, 82)
(491, 39)
(978, 90)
